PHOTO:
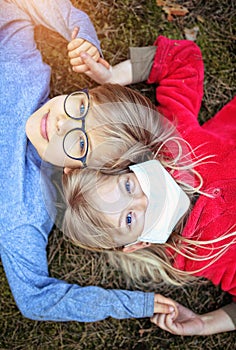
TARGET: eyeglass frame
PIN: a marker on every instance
(82, 159)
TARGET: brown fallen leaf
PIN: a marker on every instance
(200, 19)
(191, 34)
(172, 9)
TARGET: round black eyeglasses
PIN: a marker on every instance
(75, 142)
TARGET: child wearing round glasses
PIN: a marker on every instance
(51, 125)
(165, 209)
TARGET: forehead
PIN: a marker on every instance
(106, 193)
(109, 195)
(108, 187)
(57, 99)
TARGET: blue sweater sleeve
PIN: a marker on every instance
(40, 297)
(59, 16)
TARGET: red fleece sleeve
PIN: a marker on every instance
(178, 72)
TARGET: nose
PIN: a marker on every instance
(63, 125)
(140, 202)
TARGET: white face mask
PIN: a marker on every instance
(167, 202)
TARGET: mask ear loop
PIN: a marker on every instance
(130, 244)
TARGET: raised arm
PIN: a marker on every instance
(60, 16)
(101, 73)
(178, 73)
(175, 67)
(130, 71)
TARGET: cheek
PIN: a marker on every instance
(55, 155)
(113, 219)
(54, 152)
(32, 128)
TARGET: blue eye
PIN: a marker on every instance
(127, 186)
(82, 109)
(81, 143)
(129, 219)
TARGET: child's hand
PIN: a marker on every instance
(98, 71)
(163, 305)
(103, 73)
(186, 322)
(75, 47)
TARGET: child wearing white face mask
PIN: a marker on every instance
(192, 236)
(167, 202)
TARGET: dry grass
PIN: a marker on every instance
(121, 24)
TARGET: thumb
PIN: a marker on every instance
(91, 63)
(104, 62)
(88, 60)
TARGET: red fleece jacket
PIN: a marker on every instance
(178, 72)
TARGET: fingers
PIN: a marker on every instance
(74, 33)
(159, 320)
(163, 308)
(76, 47)
(82, 68)
(104, 62)
(92, 51)
(92, 63)
(160, 299)
(169, 322)
(97, 71)
(165, 322)
(89, 61)
(79, 45)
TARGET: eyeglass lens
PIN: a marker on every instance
(75, 141)
(77, 105)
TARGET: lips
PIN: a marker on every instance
(43, 126)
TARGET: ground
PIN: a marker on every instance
(121, 24)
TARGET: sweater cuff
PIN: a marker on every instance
(141, 60)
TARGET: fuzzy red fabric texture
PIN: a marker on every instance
(178, 73)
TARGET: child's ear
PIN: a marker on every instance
(67, 170)
(136, 246)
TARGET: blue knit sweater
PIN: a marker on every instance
(24, 221)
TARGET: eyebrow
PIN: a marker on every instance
(90, 147)
(121, 190)
(121, 218)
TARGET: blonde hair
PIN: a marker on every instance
(129, 125)
(133, 131)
